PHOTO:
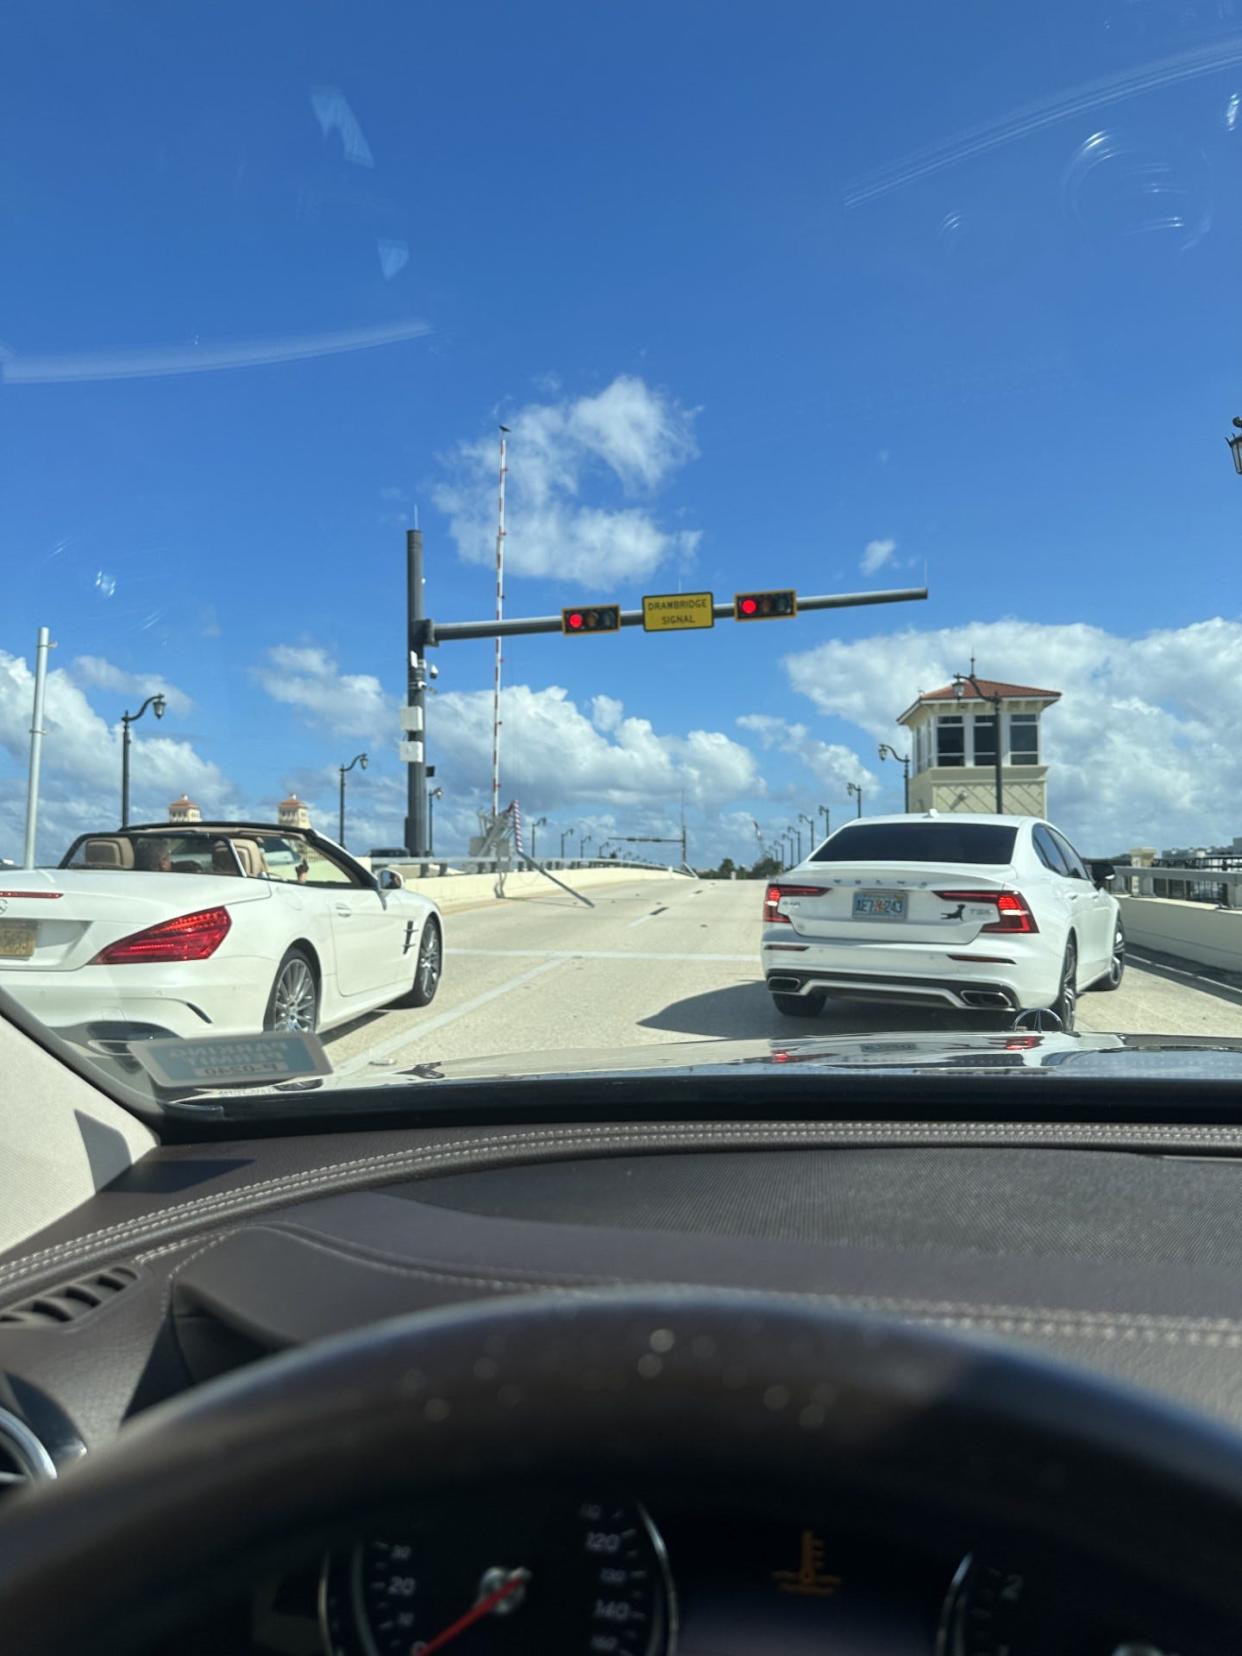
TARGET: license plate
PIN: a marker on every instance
(879, 905)
(17, 939)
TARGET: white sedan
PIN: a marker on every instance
(978, 913)
(216, 928)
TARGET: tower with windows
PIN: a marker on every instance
(184, 810)
(953, 736)
(292, 813)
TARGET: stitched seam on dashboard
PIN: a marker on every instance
(451, 1271)
(1125, 1327)
(483, 1147)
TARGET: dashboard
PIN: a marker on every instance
(541, 1576)
(1111, 1256)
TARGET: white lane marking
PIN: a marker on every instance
(415, 1032)
(592, 954)
(641, 921)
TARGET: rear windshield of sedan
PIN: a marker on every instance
(933, 842)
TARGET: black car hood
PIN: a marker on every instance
(1150, 1056)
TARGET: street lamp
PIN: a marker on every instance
(539, 822)
(1235, 445)
(566, 835)
(810, 831)
(583, 841)
(795, 840)
(854, 789)
(824, 812)
(432, 796)
(960, 681)
(359, 759)
(157, 704)
(903, 759)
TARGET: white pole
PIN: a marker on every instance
(500, 615)
(36, 746)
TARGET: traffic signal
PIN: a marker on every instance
(591, 618)
(765, 606)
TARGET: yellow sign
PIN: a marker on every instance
(810, 1578)
(677, 611)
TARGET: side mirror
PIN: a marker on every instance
(1101, 873)
(389, 880)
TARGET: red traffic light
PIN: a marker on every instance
(780, 605)
(596, 618)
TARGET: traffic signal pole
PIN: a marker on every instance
(452, 632)
(422, 633)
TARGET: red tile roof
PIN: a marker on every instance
(989, 687)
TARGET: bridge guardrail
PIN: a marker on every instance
(1217, 887)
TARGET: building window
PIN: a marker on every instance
(950, 740)
(985, 739)
(1024, 739)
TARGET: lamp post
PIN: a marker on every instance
(359, 759)
(566, 835)
(1235, 444)
(824, 812)
(157, 704)
(854, 789)
(795, 840)
(539, 822)
(960, 681)
(903, 759)
(583, 841)
(432, 796)
(810, 831)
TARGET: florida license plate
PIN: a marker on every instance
(879, 905)
(17, 939)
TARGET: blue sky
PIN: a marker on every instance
(757, 287)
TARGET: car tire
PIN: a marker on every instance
(1066, 1004)
(293, 1005)
(1116, 961)
(799, 1006)
(428, 968)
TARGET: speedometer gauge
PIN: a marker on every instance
(497, 1579)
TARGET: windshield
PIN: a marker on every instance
(541, 533)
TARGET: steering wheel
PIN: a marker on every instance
(774, 1396)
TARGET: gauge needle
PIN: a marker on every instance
(485, 1606)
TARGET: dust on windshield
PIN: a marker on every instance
(536, 533)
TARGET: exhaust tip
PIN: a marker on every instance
(985, 1000)
(784, 985)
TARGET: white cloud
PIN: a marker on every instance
(81, 779)
(1142, 747)
(105, 675)
(829, 762)
(876, 554)
(629, 438)
(554, 754)
(348, 704)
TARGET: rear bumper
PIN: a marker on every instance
(917, 975)
(227, 1001)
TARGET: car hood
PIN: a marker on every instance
(1111, 1055)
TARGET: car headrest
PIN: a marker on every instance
(113, 852)
(253, 862)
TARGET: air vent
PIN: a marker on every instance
(71, 1301)
(23, 1459)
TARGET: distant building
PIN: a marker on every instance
(184, 810)
(293, 813)
(953, 748)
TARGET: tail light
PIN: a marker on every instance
(773, 895)
(1013, 912)
(188, 937)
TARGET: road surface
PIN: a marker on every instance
(665, 960)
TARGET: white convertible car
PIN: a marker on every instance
(215, 928)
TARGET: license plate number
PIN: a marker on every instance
(17, 939)
(879, 905)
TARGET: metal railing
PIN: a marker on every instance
(431, 868)
(1198, 882)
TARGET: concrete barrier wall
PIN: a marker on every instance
(470, 890)
(1191, 931)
